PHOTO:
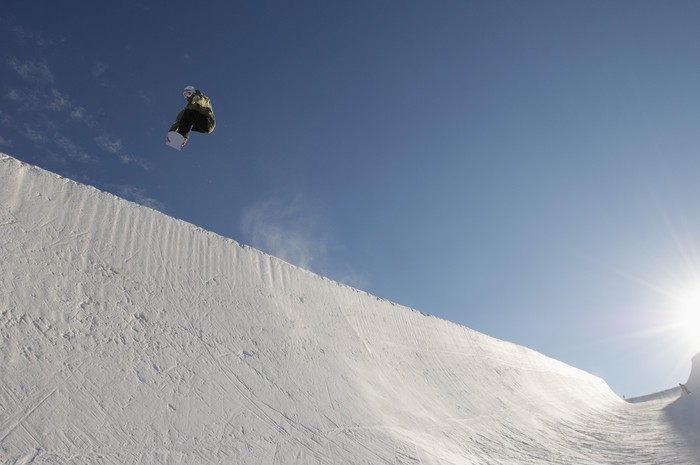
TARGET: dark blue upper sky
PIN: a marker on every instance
(527, 169)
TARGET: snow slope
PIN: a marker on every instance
(129, 337)
(684, 413)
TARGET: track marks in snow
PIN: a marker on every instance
(132, 338)
(406, 454)
(17, 420)
(28, 459)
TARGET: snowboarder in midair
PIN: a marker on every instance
(196, 116)
(684, 388)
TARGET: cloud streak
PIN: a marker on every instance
(109, 144)
(36, 71)
(41, 112)
(288, 228)
(139, 196)
(296, 230)
(40, 97)
(36, 38)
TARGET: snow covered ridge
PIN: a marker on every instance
(129, 337)
(684, 412)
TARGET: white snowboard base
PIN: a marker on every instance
(174, 139)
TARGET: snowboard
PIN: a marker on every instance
(175, 140)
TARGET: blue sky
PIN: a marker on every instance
(527, 169)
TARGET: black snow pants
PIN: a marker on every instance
(193, 121)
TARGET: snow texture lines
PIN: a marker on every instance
(128, 337)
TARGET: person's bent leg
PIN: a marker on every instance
(201, 124)
(186, 122)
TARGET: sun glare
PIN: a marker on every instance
(687, 317)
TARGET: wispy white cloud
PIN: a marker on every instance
(35, 134)
(98, 69)
(74, 151)
(50, 99)
(80, 113)
(36, 101)
(288, 228)
(296, 229)
(139, 196)
(48, 133)
(126, 159)
(57, 101)
(25, 99)
(109, 144)
(44, 113)
(114, 145)
(34, 37)
(32, 70)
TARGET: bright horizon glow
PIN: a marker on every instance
(685, 317)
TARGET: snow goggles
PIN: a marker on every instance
(188, 93)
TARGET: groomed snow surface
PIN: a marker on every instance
(129, 337)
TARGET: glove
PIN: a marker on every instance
(196, 98)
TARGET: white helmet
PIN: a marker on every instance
(189, 91)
